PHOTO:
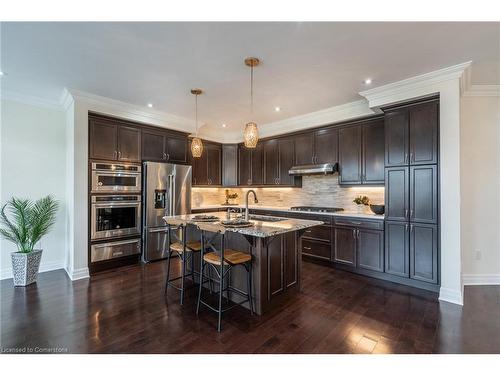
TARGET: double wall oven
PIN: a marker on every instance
(116, 208)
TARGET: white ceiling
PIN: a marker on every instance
(306, 66)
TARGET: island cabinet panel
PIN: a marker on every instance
(423, 124)
(229, 165)
(304, 149)
(271, 161)
(396, 138)
(370, 244)
(275, 266)
(373, 152)
(103, 139)
(350, 155)
(292, 260)
(286, 161)
(176, 148)
(153, 146)
(326, 146)
(423, 194)
(345, 246)
(397, 251)
(423, 252)
(244, 166)
(397, 193)
(129, 144)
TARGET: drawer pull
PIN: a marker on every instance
(117, 253)
(306, 248)
(308, 231)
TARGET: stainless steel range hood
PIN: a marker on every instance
(301, 170)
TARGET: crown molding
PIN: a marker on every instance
(381, 95)
(30, 100)
(469, 89)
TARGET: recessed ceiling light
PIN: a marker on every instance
(224, 125)
(1, 73)
(150, 105)
(277, 109)
(368, 81)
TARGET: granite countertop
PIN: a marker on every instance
(287, 209)
(259, 229)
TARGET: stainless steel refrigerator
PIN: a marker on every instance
(166, 191)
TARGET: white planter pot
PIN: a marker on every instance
(25, 267)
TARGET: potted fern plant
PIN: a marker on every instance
(24, 223)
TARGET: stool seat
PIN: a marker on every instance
(190, 246)
(231, 257)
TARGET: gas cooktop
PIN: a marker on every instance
(316, 209)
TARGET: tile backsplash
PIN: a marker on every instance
(315, 191)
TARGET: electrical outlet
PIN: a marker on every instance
(478, 254)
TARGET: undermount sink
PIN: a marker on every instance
(266, 218)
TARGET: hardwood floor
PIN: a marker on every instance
(125, 311)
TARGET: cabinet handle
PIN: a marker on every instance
(412, 157)
(312, 159)
(406, 227)
(306, 248)
(354, 233)
(411, 213)
(168, 156)
(406, 214)
(194, 181)
(164, 156)
(249, 182)
(411, 228)
(406, 158)
(308, 231)
(115, 153)
(357, 230)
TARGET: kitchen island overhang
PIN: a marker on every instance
(276, 255)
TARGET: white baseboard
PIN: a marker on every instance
(80, 273)
(451, 295)
(481, 279)
(6, 273)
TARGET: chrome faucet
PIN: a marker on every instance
(246, 202)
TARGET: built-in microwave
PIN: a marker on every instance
(114, 216)
(116, 178)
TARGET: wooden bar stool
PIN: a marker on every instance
(185, 251)
(222, 262)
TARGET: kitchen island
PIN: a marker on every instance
(274, 244)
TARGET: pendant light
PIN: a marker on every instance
(251, 132)
(196, 143)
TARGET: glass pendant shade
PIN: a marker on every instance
(251, 135)
(196, 147)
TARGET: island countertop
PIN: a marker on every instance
(261, 228)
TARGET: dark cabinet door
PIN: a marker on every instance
(373, 152)
(397, 253)
(229, 165)
(424, 133)
(423, 252)
(396, 138)
(271, 161)
(304, 148)
(129, 144)
(244, 166)
(286, 161)
(257, 165)
(275, 267)
(153, 147)
(423, 194)
(317, 249)
(214, 158)
(103, 136)
(370, 245)
(291, 259)
(200, 168)
(345, 246)
(326, 146)
(176, 149)
(350, 155)
(397, 193)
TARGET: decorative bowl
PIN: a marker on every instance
(377, 209)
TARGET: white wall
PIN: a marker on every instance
(33, 160)
(480, 188)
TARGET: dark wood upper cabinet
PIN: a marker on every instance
(103, 139)
(153, 146)
(396, 138)
(286, 161)
(423, 194)
(370, 245)
(397, 252)
(424, 253)
(230, 165)
(345, 246)
(258, 165)
(397, 193)
(350, 155)
(129, 144)
(244, 166)
(271, 161)
(176, 148)
(200, 169)
(373, 152)
(214, 161)
(424, 133)
(326, 146)
(304, 149)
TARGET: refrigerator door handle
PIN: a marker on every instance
(156, 230)
(171, 192)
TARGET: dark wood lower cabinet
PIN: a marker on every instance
(397, 252)
(317, 249)
(345, 246)
(370, 245)
(423, 252)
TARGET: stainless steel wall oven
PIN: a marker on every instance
(114, 216)
(115, 178)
